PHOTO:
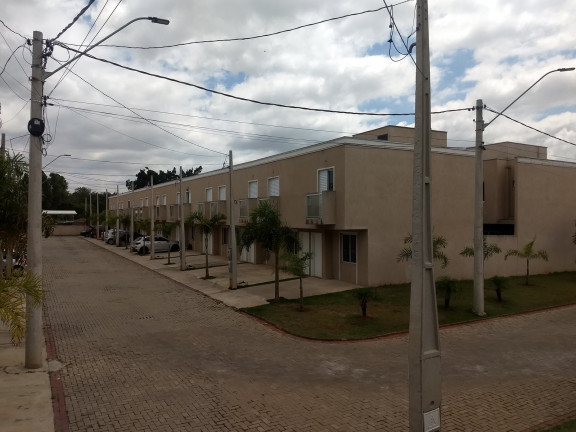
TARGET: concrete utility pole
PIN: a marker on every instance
(131, 238)
(478, 295)
(152, 253)
(478, 301)
(117, 216)
(182, 231)
(106, 227)
(98, 215)
(232, 250)
(33, 348)
(34, 340)
(424, 343)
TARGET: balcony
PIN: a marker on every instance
(321, 208)
(246, 205)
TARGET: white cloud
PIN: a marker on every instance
(487, 49)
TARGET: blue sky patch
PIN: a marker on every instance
(227, 79)
(453, 71)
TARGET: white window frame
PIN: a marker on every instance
(163, 199)
(320, 186)
(208, 194)
(253, 189)
(274, 186)
(178, 197)
(222, 193)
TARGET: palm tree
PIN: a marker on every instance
(14, 289)
(489, 250)
(207, 226)
(167, 229)
(265, 227)
(298, 266)
(14, 204)
(528, 253)
(438, 244)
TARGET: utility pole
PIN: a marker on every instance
(424, 341)
(478, 301)
(152, 253)
(34, 339)
(106, 227)
(182, 232)
(232, 250)
(98, 215)
(131, 238)
(117, 216)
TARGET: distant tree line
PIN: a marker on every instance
(143, 177)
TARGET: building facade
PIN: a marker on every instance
(350, 200)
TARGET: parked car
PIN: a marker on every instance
(124, 237)
(161, 244)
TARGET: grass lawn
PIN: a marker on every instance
(564, 427)
(338, 316)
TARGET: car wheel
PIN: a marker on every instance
(174, 248)
(110, 241)
(146, 250)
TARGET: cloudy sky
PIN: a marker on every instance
(114, 122)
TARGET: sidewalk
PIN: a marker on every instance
(258, 277)
(25, 394)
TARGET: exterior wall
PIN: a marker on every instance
(512, 150)
(372, 198)
(401, 134)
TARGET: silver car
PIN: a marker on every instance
(161, 244)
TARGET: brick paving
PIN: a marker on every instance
(143, 353)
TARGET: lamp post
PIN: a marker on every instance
(33, 347)
(62, 155)
(478, 295)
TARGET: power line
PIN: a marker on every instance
(211, 118)
(253, 100)
(134, 112)
(76, 18)
(13, 31)
(530, 127)
(252, 37)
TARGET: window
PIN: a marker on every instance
(177, 197)
(349, 248)
(274, 186)
(225, 236)
(209, 194)
(129, 204)
(188, 197)
(157, 200)
(253, 189)
(222, 193)
(326, 179)
(146, 201)
(142, 202)
(163, 199)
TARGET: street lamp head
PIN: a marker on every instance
(566, 69)
(157, 20)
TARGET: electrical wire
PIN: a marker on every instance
(10, 57)
(251, 37)
(253, 100)
(530, 127)
(210, 118)
(134, 112)
(13, 31)
(76, 18)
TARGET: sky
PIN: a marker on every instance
(114, 122)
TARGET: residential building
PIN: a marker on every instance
(350, 200)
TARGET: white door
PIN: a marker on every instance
(312, 242)
(247, 255)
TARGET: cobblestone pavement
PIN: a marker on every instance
(143, 353)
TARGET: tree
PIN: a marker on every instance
(14, 205)
(500, 284)
(528, 253)
(265, 227)
(55, 194)
(206, 226)
(364, 295)
(298, 266)
(449, 286)
(438, 244)
(489, 250)
(143, 177)
(167, 229)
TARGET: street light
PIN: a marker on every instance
(478, 298)
(62, 155)
(34, 343)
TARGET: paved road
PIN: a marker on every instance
(143, 353)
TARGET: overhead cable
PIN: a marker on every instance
(76, 18)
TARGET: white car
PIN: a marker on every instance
(161, 244)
